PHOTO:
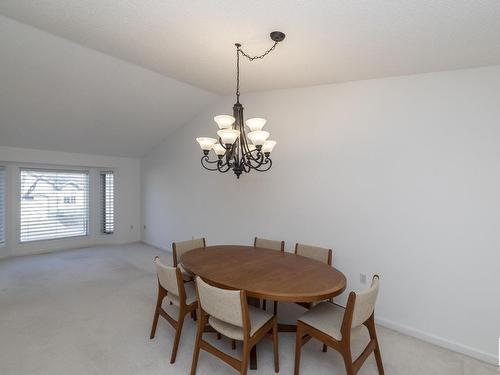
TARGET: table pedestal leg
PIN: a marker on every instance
(287, 327)
(253, 358)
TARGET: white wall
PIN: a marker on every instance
(400, 176)
(127, 198)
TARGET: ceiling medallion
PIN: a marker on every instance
(238, 148)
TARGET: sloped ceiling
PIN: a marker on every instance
(327, 40)
(57, 95)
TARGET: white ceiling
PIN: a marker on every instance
(57, 95)
(327, 40)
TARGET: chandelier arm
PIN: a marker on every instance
(222, 144)
(229, 150)
(205, 162)
(255, 157)
(259, 160)
(266, 162)
(245, 167)
(245, 142)
(221, 166)
(249, 154)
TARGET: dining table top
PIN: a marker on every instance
(264, 273)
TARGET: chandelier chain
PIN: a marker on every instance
(251, 58)
(237, 73)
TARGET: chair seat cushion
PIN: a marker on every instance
(258, 318)
(325, 317)
(190, 295)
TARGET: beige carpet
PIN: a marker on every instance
(89, 311)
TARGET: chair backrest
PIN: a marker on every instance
(269, 244)
(364, 303)
(321, 254)
(222, 304)
(179, 248)
(167, 277)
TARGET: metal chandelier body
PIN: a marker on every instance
(237, 148)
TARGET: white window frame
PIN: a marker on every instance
(17, 219)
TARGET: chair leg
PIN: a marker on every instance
(275, 308)
(346, 355)
(276, 347)
(196, 351)
(156, 314)
(233, 344)
(245, 359)
(325, 348)
(373, 335)
(178, 332)
(298, 348)
(264, 305)
(219, 336)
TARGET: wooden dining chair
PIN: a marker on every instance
(178, 293)
(179, 248)
(272, 245)
(228, 312)
(333, 325)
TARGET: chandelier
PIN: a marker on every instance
(238, 148)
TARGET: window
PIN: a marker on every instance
(54, 204)
(107, 202)
(2, 206)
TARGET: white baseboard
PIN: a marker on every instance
(440, 341)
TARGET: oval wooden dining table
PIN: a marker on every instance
(265, 274)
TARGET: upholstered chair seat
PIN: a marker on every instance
(191, 297)
(325, 317)
(257, 317)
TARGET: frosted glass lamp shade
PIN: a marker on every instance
(268, 146)
(258, 137)
(224, 121)
(256, 123)
(251, 147)
(206, 144)
(219, 150)
(228, 136)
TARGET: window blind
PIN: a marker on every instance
(107, 202)
(2, 206)
(54, 204)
